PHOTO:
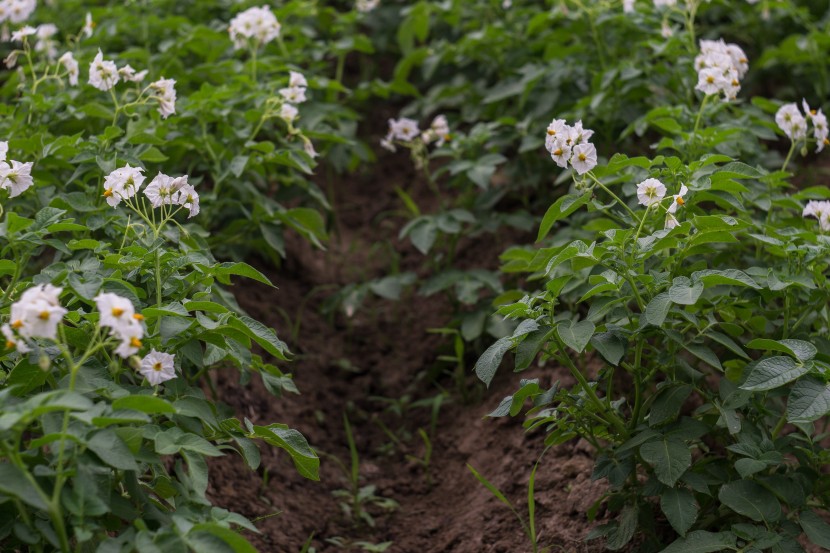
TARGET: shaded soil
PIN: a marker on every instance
(374, 367)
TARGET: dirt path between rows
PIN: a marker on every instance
(363, 365)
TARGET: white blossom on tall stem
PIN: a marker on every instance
(164, 92)
(35, 315)
(157, 367)
(365, 6)
(651, 192)
(570, 144)
(791, 122)
(122, 184)
(16, 178)
(821, 211)
(71, 65)
(89, 25)
(103, 74)
(819, 121)
(720, 68)
(118, 314)
(254, 24)
(17, 11)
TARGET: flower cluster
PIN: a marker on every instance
(293, 94)
(35, 315)
(124, 183)
(71, 65)
(364, 6)
(16, 11)
(104, 74)
(720, 68)
(821, 211)
(406, 130)
(254, 24)
(569, 144)
(790, 120)
(38, 312)
(15, 177)
(118, 314)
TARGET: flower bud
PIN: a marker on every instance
(135, 362)
(44, 362)
(804, 151)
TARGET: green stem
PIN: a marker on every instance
(638, 399)
(693, 138)
(616, 198)
(789, 156)
(612, 418)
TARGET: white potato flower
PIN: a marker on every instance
(157, 367)
(560, 152)
(293, 94)
(122, 184)
(129, 74)
(188, 198)
(16, 178)
(256, 25)
(36, 314)
(71, 65)
(164, 91)
(89, 25)
(45, 44)
(103, 74)
(288, 113)
(162, 188)
(438, 131)
(819, 121)
(130, 335)
(297, 79)
(821, 211)
(789, 119)
(14, 341)
(22, 33)
(679, 199)
(18, 11)
(651, 192)
(628, 6)
(584, 158)
(720, 68)
(404, 129)
(116, 312)
(4, 150)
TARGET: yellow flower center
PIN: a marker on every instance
(157, 366)
(108, 192)
(582, 157)
(9, 344)
(680, 200)
(44, 316)
(710, 79)
(138, 317)
(135, 342)
(558, 152)
(117, 311)
(17, 324)
(551, 132)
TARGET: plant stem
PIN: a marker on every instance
(789, 155)
(616, 198)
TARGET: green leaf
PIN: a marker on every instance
(801, 350)
(626, 527)
(112, 450)
(261, 334)
(563, 207)
(816, 529)
(658, 308)
(670, 459)
(576, 335)
(146, 404)
(13, 482)
(223, 270)
(728, 277)
(668, 404)
(680, 508)
(809, 400)
(305, 459)
(610, 345)
(173, 440)
(232, 538)
(701, 541)
(752, 500)
(705, 354)
(683, 292)
(26, 376)
(774, 372)
(489, 362)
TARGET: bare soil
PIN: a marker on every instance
(363, 365)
